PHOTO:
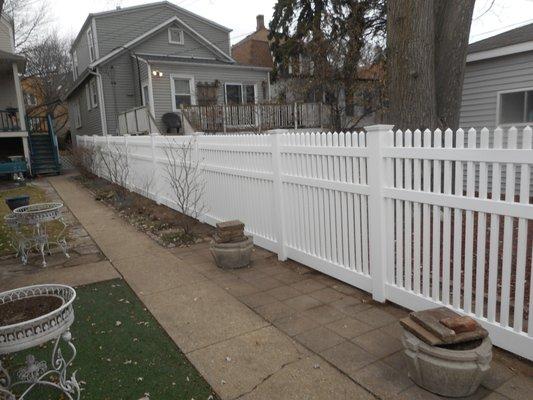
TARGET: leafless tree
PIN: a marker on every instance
(29, 17)
(86, 159)
(47, 76)
(113, 162)
(185, 177)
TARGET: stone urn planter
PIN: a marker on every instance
(30, 317)
(453, 371)
(233, 255)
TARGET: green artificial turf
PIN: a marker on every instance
(122, 351)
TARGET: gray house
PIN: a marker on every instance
(156, 55)
(498, 85)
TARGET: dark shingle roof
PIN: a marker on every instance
(514, 36)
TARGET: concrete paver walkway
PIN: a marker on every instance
(274, 331)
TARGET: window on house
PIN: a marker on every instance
(233, 94)
(77, 114)
(516, 107)
(93, 93)
(75, 64)
(90, 42)
(88, 96)
(175, 36)
(146, 95)
(181, 90)
(237, 93)
(30, 99)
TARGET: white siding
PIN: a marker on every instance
(6, 39)
(161, 86)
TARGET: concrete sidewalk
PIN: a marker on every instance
(273, 331)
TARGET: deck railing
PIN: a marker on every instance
(9, 120)
(137, 121)
(257, 117)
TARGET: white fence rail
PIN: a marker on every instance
(412, 217)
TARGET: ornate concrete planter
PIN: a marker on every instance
(52, 325)
(233, 255)
(452, 373)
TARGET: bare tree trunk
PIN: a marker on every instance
(1, 5)
(452, 29)
(427, 43)
(411, 52)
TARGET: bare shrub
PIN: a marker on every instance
(114, 166)
(185, 177)
(86, 160)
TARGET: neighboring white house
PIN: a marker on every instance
(13, 132)
(498, 85)
(158, 55)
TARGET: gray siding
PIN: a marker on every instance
(158, 44)
(484, 79)
(90, 119)
(163, 94)
(6, 41)
(116, 29)
(82, 48)
(120, 88)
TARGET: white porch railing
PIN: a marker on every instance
(386, 212)
(137, 121)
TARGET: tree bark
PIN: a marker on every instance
(427, 43)
(452, 30)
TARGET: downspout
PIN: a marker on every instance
(139, 77)
(100, 99)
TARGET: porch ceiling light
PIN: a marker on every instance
(157, 73)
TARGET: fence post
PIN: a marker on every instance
(376, 141)
(278, 205)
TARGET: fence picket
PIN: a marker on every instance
(446, 222)
(469, 225)
(426, 229)
(417, 179)
(408, 142)
(457, 226)
(494, 232)
(481, 231)
(521, 252)
(508, 234)
(436, 242)
(398, 183)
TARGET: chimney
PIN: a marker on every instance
(260, 22)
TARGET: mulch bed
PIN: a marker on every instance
(28, 308)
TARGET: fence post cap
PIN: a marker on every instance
(154, 134)
(379, 127)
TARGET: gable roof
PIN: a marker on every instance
(514, 36)
(146, 6)
(153, 31)
(514, 41)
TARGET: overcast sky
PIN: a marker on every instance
(67, 16)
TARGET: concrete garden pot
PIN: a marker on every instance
(233, 255)
(447, 372)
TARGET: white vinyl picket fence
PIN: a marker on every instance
(416, 217)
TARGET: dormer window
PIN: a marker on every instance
(175, 36)
(90, 43)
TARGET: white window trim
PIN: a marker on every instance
(75, 64)
(88, 96)
(498, 107)
(146, 84)
(243, 94)
(77, 111)
(90, 44)
(93, 92)
(192, 86)
(182, 36)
